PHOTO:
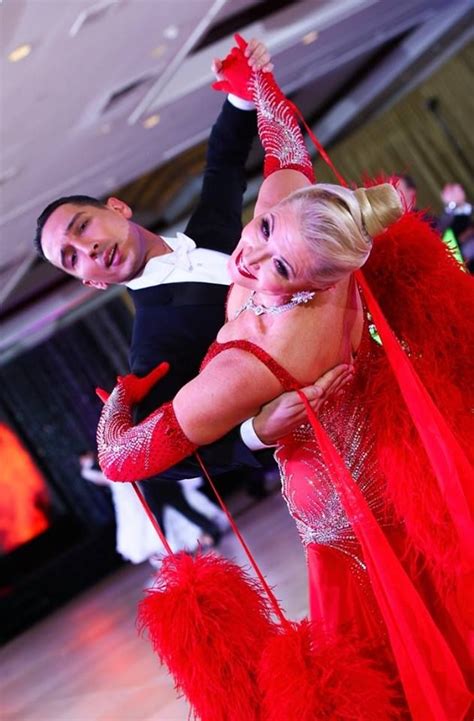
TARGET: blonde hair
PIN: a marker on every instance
(340, 224)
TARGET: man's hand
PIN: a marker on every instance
(281, 416)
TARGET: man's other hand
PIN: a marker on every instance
(282, 415)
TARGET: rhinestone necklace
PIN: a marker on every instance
(304, 296)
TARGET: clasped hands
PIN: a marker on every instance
(284, 414)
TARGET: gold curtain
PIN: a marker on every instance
(407, 138)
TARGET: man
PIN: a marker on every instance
(178, 285)
(453, 221)
(457, 212)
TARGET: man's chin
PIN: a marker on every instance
(126, 277)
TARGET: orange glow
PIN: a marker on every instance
(23, 495)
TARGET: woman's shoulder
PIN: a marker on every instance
(304, 344)
(295, 346)
(306, 341)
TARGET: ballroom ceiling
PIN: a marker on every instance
(102, 95)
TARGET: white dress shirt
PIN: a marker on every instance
(186, 264)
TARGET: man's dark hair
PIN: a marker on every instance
(41, 221)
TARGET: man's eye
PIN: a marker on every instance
(83, 226)
(281, 269)
(265, 226)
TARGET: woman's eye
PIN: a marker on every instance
(281, 269)
(265, 225)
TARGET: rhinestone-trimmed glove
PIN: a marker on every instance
(278, 129)
(130, 452)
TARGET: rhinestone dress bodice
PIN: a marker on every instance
(306, 483)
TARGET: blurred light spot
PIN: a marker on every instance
(21, 52)
(310, 37)
(151, 121)
(159, 51)
(171, 32)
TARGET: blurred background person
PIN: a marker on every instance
(457, 212)
(136, 539)
(407, 188)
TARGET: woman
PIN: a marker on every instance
(380, 558)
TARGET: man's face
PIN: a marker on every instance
(100, 246)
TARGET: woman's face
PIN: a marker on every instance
(271, 256)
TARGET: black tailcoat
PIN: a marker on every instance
(177, 322)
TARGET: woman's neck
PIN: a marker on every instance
(337, 293)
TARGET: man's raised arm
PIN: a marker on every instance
(217, 221)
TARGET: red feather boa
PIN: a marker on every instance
(208, 620)
(305, 676)
(419, 286)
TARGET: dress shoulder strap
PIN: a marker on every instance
(288, 382)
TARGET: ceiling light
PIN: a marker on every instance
(21, 52)
(171, 32)
(105, 129)
(310, 37)
(151, 121)
(158, 52)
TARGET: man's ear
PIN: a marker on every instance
(98, 284)
(119, 206)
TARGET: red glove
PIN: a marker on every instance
(237, 72)
(131, 453)
(279, 129)
(136, 388)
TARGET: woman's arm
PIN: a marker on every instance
(278, 186)
(231, 388)
(287, 165)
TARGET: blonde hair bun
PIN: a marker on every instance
(380, 206)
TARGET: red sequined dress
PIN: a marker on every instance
(340, 596)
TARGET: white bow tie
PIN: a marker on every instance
(180, 256)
